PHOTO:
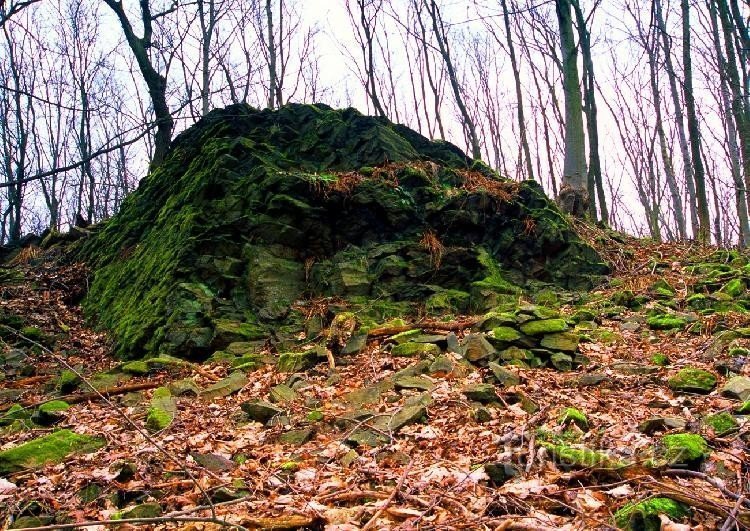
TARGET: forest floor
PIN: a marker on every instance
(461, 466)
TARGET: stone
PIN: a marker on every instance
(544, 326)
(662, 360)
(414, 382)
(570, 457)
(503, 376)
(505, 334)
(405, 416)
(441, 366)
(415, 350)
(162, 411)
(260, 411)
(365, 395)
(475, 347)
(591, 379)
(561, 361)
(229, 385)
(280, 394)
(50, 448)
(666, 322)
(634, 369)
(515, 353)
(575, 416)
(734, 288)
(355, 345)
(737, 387)
(452, 344)
(68, 381)
(744, 408)
(692, 380)
(630, 326)
(144, 510)
(563, 341)
(501, 472)
(482, 393)
(296, 437)
(136, 368)
(50, 413)
(682, 449)
(213, 462)
(722, 423)
(645, 514)
(297, 361)
(655, 424)
(184, 387)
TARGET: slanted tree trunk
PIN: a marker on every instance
(519, 94)
(699, 172)
(444, 48)
(156, 83)
(678, 115)
(574, 196)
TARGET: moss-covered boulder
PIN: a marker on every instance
(253, 210)
(692, 380)
(682, 449)
(644, 515)
(51, 448)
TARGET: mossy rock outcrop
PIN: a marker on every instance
(254, 210)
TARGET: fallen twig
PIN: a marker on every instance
(387, 502)
(156, 520)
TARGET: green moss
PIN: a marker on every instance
(162, 411)
(447, 300)
(51, 448)
(505, 334)
(575, 416)
(544, 326)
(297, 361)
(666, 322)
(14, 413)
(683, 448)
(692, 380)
(415, 350)
(744, 408)
(403, 337)
(581, 457)
(721, 423)
(33, 333)
(660, 359)
(698, 301)
(644, 515)
(135, 367)
(734, 288)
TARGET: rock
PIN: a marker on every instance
(644, 515)
(561, 361)
(365, 395)
(662, 360)
(229, 385)
(481, 414)
(355, 345)
(414, 382)
(124, 470)
(26, 522)
(583, 315)
(501, 472)
(744, 408)
(655, 424)
(570, 457)
(296, 437)
(144, 510)
(297, 361)
(503, 376)
(591, 379)
(136, 368)
(452, 344)
(630, 326)
(50, 413)
(405, 416)
(213, 462)
(544, 326)
(436, 339)
(441, 366)
(692, 380)
(737, 387)
(68, 382)
(162, 411)
(721, 423)
(404, 337)
(734, 288)
(184, 387)
(260, 411)
(50, 448)
(415, 350)
(281, 394)
(575, 416)
(475, 347)
(527, 404)
(482, 393)
(563, 341)
(515, 353)
(634, 369)
(682, 449)
(666, 322)
(505, 334)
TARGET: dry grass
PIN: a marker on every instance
(434, 246)
(474, 181)
(25, 255)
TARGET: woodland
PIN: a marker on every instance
(374, 264)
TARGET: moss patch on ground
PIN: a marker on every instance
(51, 448)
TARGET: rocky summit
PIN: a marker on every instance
(257, 216)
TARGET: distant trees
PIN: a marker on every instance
(634, 114)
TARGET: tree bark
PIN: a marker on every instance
(699, 172)
(573, 197)
(155, 82)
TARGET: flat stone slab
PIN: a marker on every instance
(737, 388)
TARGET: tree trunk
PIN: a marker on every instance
(699, 172)
(574, 196)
